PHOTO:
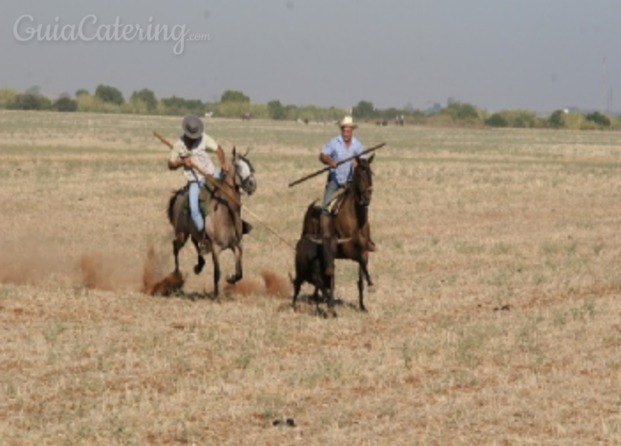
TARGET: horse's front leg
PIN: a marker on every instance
(363, 261)
(216, 272)
(239, 272)
(361, 288)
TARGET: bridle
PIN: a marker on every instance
(239, 179)
(363, 198)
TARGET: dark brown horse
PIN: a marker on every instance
(350, 225)
(223, 225)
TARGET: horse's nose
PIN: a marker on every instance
(252, 186)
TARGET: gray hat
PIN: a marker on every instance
(192, 127)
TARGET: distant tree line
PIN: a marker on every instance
(462, 114)
(236, 104)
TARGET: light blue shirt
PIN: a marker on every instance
(337, 150)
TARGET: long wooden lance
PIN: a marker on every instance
(229, 196)
(325, 169)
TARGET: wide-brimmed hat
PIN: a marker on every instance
(192, 127)
(347, 121)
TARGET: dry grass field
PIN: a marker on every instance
(495, 319)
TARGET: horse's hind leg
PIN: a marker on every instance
(239, 272)
(178, 243)
(200, 263)
(297, 284)
(216, 273)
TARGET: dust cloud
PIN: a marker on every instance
(36, 265)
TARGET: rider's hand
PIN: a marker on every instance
(187, 162)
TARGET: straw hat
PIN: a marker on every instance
(347, 121)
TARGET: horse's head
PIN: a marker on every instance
(244, 173)
(362, 180)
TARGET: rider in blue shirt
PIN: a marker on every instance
(337, 149)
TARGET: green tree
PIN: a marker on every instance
(496, 120)
(28, 101)
(109, 94)
(364, 110)
(557, 119)
(147, 97)
(234, 96)
(460, 111)
(7, 97)
(81, 91)
(276, 110)
(180, 106)
(65, 104)
(599, 119)
(35, 90)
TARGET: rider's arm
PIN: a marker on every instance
(179, 156)
(179, 162)
(327, 160)
(327, 154)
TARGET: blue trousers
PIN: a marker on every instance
(195, 212)
(328, 193)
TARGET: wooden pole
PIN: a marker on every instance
(213, 182)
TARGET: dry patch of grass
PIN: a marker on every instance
(495, 319)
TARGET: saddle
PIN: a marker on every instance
(204, 199)
(336, 201)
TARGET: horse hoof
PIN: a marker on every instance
(233, 279)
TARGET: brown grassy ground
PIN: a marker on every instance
(496, 318)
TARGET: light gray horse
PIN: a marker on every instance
(223, 225)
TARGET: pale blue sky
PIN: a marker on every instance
(532, 54)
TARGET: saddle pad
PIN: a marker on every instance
(204, 198)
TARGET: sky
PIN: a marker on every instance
(538, 55)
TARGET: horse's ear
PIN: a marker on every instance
(371, 158)
(234, 152)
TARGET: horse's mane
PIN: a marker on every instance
(247, 161)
